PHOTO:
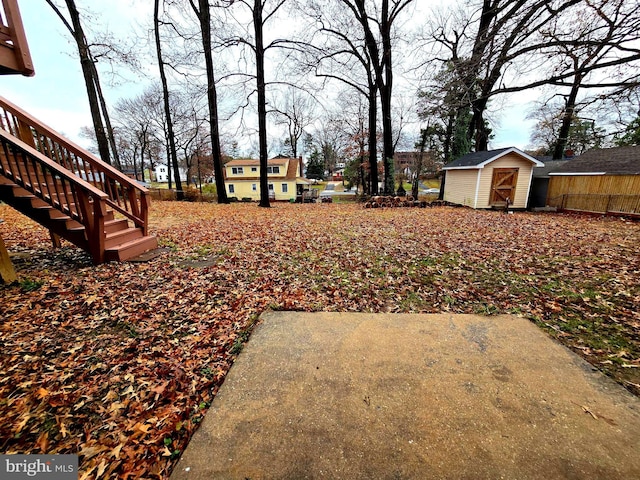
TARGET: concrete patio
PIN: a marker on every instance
(382, 396)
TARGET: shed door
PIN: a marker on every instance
(503, 186)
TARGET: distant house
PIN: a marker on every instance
(599, 180)
(162, 174)
(491, 179)
(407, 162)
(242, 178)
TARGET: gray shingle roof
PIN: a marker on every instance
(475, 158)
(549, 166)
(611, 161)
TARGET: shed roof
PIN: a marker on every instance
(549, 166)
(603, 161)
(480, 159)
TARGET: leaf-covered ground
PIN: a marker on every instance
(119, 362)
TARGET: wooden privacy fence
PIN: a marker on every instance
(598, 203)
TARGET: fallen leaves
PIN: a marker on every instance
(119, 362)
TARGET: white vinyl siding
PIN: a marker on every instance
(460, 187)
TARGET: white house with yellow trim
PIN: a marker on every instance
(495, 178)
(242, 178)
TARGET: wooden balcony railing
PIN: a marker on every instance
(14, 50)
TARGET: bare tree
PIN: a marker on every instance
(135, 124)
(604, 31)
(379, 45)
(514, 41)
(261, 12)
(97, 104)
(173, 156)
(355, 121)
(203, 13)
(296, 113)
(339, 53)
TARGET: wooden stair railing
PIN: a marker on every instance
(58, 188)
(47, 171)
(124, 194)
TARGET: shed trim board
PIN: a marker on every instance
(529, 188)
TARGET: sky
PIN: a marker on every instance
(56, 95)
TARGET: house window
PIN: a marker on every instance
(285, 188)
(271, 187)
(254, 187)
(273, 169)
(232, 188)
(254, 169)
(237, 170)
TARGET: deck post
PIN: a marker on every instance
(55, 240)
(7, 272)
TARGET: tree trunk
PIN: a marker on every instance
(448, 138)
(386, 90)
(105, 115)
(89, 80)
(143, 146)
(173, 160)
(387, 139)
(477, 127)
(418, 168)
(262, 104)
(373, 141)
(204, 16)
(567, 119)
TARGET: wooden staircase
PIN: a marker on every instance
(69, 191)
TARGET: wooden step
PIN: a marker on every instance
(68, 223)
(111, 226)
(130, 249)
(122, 236)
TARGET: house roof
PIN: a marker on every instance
(292, 171)
(250, 162)
(549, 166)
(480, 159)
(290, 175)
(603, 161)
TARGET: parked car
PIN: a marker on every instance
(432, 190)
